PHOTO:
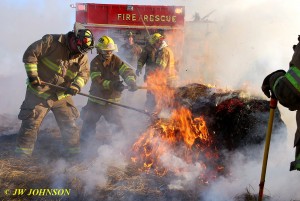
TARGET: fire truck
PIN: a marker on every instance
(115, 20)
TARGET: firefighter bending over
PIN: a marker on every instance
(285, 87)
(61, 60)
(156, 55)
(130, 50)
(106, 69)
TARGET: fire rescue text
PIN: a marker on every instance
(146, 18)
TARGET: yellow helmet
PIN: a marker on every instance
(106, 43)
(155, 37)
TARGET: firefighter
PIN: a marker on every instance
(130, 50)
(285, 87)
(59, 59)
(106, 70)
(156, 55)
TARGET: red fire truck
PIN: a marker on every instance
(115, 20)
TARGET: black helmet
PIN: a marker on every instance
(84, 40)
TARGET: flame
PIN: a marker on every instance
(185, 136)
(158, 84)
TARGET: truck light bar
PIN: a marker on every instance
(129, 7)
(178, 10)
(81, 7)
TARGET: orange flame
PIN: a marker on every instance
(187, 137)
(158, 83)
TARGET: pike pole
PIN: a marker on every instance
(273, 105)
(143, 22)
(102, 99)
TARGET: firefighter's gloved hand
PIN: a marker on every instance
(35, 81)
(138, 72)
(133, 87)
(72, 90)
(118, 86)
(265, 87)
(269, 81)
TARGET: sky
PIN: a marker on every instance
(248, 40)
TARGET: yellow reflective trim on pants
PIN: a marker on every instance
(115, 100)
(27, 151)
(106, 84)
(95, 74)
(73, 150)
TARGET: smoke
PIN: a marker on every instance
(245, 171)
(109, 155)
(187, 177)
(245, 41)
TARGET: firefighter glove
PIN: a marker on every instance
(269, 81)
(35, 81)
(118, 86)
(133, 87)
(138, 72)
(72, 90)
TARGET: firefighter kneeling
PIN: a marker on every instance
(106, 69)
(285, 87)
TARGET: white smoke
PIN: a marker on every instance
(186, 178)
(246, 41)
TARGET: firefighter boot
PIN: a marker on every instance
(24, 156)
(295, 165)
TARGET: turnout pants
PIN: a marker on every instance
(33, 111)
(91, 114)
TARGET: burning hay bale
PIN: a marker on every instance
(204, 122)
(173, 159)
(234, 118)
